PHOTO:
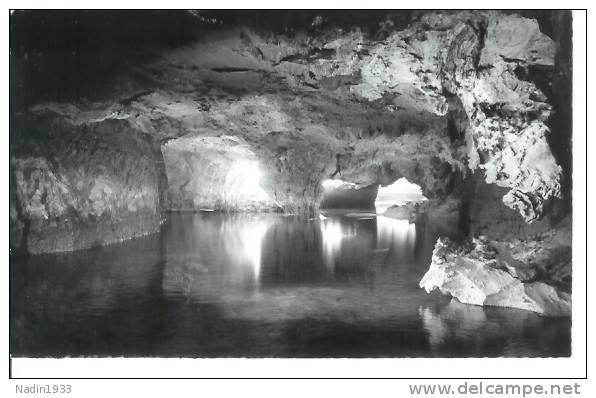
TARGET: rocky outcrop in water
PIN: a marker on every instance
(484, 60)
(533, 275)
(407, 211)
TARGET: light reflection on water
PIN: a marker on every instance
(244, 240)
(261, 285)
(333, 234)
(399, 235)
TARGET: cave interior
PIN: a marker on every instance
(118, 119)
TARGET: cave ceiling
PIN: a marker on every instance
(429, 96)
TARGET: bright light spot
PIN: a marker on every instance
(399, 193)
(333, 233)
(252, 239)
(243, 183)
(395, 234)
(334, 184)
(244, 241)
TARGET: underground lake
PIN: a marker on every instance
(262, 285)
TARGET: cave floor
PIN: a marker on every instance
(264, 285)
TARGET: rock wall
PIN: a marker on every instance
(215, 173)
(78, 186)
(486, 214)
(478, 59)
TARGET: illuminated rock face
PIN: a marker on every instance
(487, 274)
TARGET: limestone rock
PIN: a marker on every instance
(507, 137)
(446, 210)
(474, 274)
(80, 187)
(511, 37)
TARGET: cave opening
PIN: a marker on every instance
(339, 194)
(214, 174)
(399, 193)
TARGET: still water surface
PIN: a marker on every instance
(215, 285)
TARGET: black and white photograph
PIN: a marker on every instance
(309, 183)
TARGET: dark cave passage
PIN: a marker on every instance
(338, 194)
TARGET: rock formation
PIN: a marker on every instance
(533, 274)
